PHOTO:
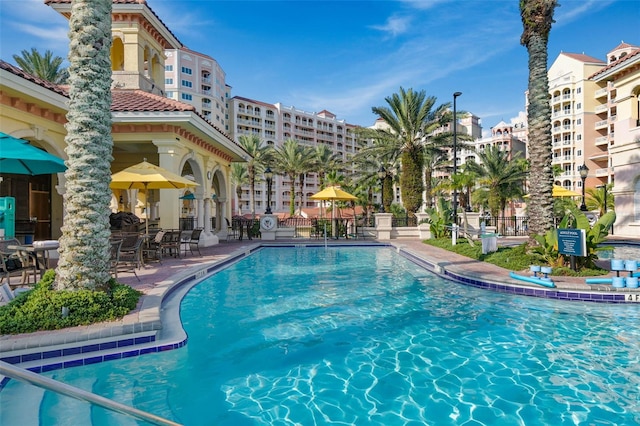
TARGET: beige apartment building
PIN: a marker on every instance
(197, 79)
(275, 123)
(617, 134)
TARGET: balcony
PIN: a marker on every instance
(567, 142)
(601, 108)
(602, 124)
(566, 96)
(602, 140)
(600, 93)
(599, 156)
(602, 172)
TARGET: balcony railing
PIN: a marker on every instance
(602, 140)
(601, 123)
(600, 93)
(602, 172)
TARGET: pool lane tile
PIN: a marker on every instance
(52, 354)
(130, 354)
(51, 367)
(111, 357)
(31, 357)
(93, 360)
(74, 363)
(71, 351)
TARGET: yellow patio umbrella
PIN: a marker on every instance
(559, 191)
(333, 193)
(148, 176)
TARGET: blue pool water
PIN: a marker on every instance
(363, 336)
(620, 251)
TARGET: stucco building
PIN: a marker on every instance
(146, 125)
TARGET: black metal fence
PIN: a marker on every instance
(511, 226)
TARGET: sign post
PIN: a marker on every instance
(572, 242)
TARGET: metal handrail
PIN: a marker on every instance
(32, 378)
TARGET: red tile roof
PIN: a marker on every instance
(622, 45)
(139, 100)
(240, 98)
(583, 58)
(61, 90)
(616, 63)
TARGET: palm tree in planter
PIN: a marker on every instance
(411, 117)
(293, 160)
(239, 177)
(260, 155)
(84, 244)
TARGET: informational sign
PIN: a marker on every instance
(572, 242)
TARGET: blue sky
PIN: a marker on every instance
(347, 56)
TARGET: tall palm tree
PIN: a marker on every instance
(84, 244)
(325, 161)
(411, 118)
(46, 67)
(239, 177)
(537, 18)
(260, 155)
(501, 176)
(293, 160)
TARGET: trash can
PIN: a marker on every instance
(8, 217)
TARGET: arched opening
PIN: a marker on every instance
(117, 55)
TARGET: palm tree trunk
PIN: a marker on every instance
(84, 244)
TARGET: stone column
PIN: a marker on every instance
(383, 225)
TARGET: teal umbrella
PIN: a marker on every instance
(17, 156)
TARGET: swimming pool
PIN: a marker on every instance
(364, 336)
(620, 251)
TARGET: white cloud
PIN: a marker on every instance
(395, 25)
(571, 10)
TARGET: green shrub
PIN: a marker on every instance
(41, 308)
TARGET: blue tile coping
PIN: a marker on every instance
(129, 345)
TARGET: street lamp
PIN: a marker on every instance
(584, 172)
(268, 174)
(455, 157)
(382, 173)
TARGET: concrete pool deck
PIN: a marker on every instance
(142, 328)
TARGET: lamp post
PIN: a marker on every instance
(268, 174)
(382, 173)
(584, 172)
(455, 157)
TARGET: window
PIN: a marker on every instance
(187, 83)
(186, 97)
(579, 121)
(168, 68)
(579, 153)
(579, 90)
(168, 81)
(169, 95)
(579, 105)
(187, 70)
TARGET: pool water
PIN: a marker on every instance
(363, 336)
(620, 251)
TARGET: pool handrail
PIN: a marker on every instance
(35, 379)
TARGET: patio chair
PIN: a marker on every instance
(132, 245)
(153, 249)
(232, 231)
(129, 258)
(170, 244)
(194, 241)
(16, 263)
(115, 257)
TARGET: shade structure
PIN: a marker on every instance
(148, 176)
(188, 196)
(333, 193)
(559, 191)
(18, 156)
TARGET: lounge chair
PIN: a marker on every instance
(16, 263)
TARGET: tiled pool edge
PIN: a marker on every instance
(93, 353)
(514, 287)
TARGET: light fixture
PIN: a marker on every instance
(382, 173)
(455, 157)
(584, 172)
(268, 175)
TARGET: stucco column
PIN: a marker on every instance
(383, 225)
(170, 153)
(424, 228)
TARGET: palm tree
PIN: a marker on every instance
(502, 177)
(410, 117)
(260, 155)
(293, 160)
(325, 161)
(239, 177)
(47, 67)
(84, 244)
(537, 18)
(596, 199)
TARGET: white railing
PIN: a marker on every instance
(600, 92)
(601, 123)
(602, 140)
